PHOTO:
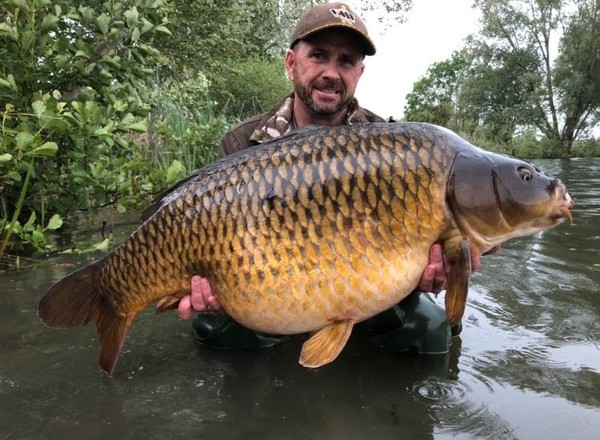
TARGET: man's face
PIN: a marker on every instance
(325, 70)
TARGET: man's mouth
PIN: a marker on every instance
(327, 94)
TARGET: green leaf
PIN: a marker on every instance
(132, 17)
(146, 25)
(139, 127)
(135, 35)
(9, 82)
(87, 14)
(54, 223)
(5, 157)
(14, 176)
(163, 30)
(103, 21)
(121, 208)
(100, 132)
(29, 225)
(102, 246)
(37, 236)
(47, 149)
(50, 21)
(81, 53)
(175, 171)
(6, 29)
(23, 139)
(39, 107)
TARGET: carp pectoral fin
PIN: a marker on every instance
(458, 283)
(326, 344)
(170, 302)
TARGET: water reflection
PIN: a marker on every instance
(527, 364)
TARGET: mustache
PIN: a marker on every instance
(334, 85)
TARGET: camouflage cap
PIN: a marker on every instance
(330, 15)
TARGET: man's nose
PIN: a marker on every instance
(331, 70)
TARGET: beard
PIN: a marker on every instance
(304, 92)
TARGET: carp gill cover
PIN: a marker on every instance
(314, 232)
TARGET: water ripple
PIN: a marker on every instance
(454, 411)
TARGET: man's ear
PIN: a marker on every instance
(290, 59)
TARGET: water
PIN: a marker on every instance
(526, 366)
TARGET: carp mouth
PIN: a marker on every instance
(565, 209)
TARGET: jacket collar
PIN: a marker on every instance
(280, 121)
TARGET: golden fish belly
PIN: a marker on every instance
(332, 268)
(334, 291)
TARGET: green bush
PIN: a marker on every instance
(72, 93)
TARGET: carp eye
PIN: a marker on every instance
(525, 174)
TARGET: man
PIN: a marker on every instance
(325, 63)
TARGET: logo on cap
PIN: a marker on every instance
(343, 14)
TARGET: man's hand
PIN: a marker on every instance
(435, 273)
(201, 299)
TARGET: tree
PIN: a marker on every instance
(434, 97)
(497, 92)
(558, 96)
(577, 72)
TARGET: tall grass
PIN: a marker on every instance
(183, 126)
(8, 229)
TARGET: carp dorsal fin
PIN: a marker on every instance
(459, 251)
(326, 344)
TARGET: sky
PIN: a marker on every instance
(433, 30)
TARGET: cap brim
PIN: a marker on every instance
(368, 45)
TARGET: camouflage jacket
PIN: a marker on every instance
(278, 122)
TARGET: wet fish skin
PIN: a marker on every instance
(314, 231)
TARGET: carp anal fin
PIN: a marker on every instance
(458, 281)
(326, 344)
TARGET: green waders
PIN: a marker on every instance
(416, 323)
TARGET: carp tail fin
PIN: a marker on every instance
(71, 302)
(326, 344)
(458, 283)
(112, 330)
(76, 300)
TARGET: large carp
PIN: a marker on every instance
(314, 232)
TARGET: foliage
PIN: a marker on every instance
(558, 98)
(184, 130)
(72, 89)
(577, 72)
(251, 86)
(434, 96)
(506, 81)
